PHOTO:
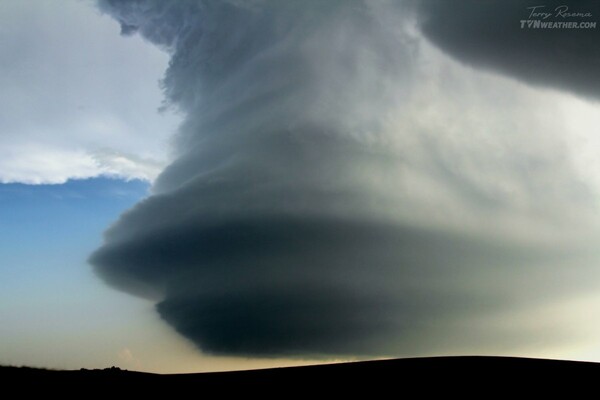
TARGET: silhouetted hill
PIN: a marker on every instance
(439, 375)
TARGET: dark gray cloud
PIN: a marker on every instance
(299, 285)
(489, 34)
(292, 222)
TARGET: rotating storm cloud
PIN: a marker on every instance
(343, 187)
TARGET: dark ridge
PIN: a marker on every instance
(466, 375)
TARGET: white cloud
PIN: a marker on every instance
(78, 100)
(37, 165)
(127, 359)
(128, 166)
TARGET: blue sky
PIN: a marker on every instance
(49, 292)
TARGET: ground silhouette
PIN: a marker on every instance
(478, 376)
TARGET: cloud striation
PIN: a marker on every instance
(326, 200)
